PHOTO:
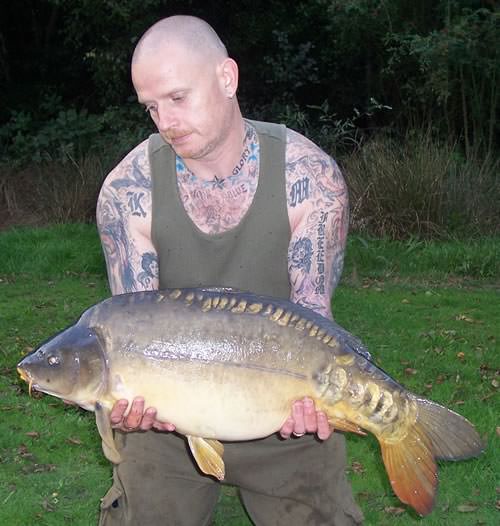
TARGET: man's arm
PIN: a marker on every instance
(124, 224)
(318, 209)
(319, 214)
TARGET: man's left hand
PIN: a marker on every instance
(305, 419)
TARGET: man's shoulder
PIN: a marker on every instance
(299, 146)
(134, 166)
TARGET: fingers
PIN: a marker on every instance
(324, 430)
(133, 420)
(310, 419)
(287, 428)
(117, 412)
(137, 419)
(305, 419)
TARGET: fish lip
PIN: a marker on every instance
(28, 379)
(23, 374)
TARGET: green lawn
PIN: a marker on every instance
(434, 330)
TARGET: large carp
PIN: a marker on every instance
(227, 365)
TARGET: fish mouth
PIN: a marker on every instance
(26, 377)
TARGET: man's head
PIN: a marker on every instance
(185, 79)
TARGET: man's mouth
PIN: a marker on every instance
(179, 138)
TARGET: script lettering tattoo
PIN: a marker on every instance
(320, 254)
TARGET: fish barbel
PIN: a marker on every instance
(227, 365)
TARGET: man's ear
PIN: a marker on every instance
(229, 77)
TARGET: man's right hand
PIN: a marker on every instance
(137, 419)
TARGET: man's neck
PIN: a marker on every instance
(221, 162)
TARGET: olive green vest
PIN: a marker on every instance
(253, 255)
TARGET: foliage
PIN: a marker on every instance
(339, 71)
(61, 135)
(455, 71)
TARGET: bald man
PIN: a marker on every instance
(214, 199)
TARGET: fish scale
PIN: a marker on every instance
(227, 365)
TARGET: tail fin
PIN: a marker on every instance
(438, 433)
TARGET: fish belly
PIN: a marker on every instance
(215, 401)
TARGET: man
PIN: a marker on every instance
(216, 200)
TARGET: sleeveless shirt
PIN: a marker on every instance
(251, 256)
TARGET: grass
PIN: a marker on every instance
(431, 326)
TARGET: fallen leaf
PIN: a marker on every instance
(467, 508)
(405, 301)
(357, 467)
(498, 435)
(459, 402)
(33, 434)
(47, 506)
(498, 505)
(495, 383)
(463, 317)
(461, 355)
(409, 371)
(393, 510)
(75, 441)
(23, 451)
(38, 468)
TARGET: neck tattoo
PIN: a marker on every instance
(219, 183)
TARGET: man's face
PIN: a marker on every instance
(185, 97)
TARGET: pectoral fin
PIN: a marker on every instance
(104, 427)
(208, 455)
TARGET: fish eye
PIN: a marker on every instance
(53, 360)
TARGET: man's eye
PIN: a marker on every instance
(149, 109)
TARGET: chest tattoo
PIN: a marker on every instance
(219, 205)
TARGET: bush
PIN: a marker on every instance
(67, 134)
(421, 187)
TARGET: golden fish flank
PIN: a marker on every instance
(210, 351)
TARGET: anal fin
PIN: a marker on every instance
(208, 455)
(104, 427)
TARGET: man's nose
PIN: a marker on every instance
(166, 119)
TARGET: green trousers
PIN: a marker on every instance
(299, 481)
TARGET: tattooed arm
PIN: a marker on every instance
(124, 223)
(318, 212)
(318, 209)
